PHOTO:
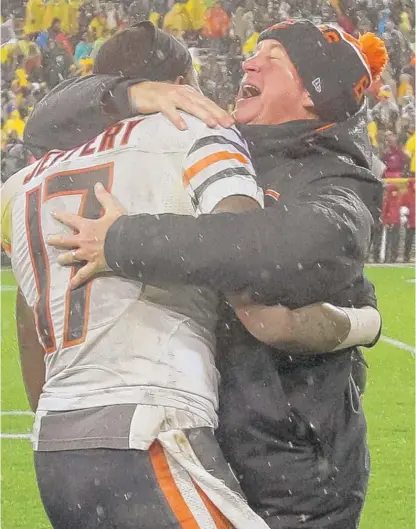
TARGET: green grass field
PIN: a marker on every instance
(389, 403)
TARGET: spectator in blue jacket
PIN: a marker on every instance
(83, 49)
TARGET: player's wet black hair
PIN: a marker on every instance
(143, 51)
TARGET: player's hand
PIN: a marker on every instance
(88, 242)
(169, 99)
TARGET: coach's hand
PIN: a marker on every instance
(87, 242)
(149, 97)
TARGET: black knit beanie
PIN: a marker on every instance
(331, 67)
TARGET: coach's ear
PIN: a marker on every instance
(180, 80)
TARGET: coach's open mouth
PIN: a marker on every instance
(248, 91)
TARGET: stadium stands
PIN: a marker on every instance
(46, 41)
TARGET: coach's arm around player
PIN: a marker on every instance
(312, 329)
(232, 252)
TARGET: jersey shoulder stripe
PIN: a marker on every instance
(210, 140)
(220, 175)
(217, 166)
(211, 159)
(214, 151)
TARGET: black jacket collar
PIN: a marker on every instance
(297, 139)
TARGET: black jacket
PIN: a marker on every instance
(307, 246)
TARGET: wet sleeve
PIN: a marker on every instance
(304, 249)
(76, 111)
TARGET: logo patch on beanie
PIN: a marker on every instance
(316, 83)
(361, 87)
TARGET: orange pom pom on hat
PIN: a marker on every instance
(334, 67)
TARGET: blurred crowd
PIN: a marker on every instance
(46, 41)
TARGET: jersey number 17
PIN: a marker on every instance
(77, 182)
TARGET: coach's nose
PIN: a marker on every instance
(252, 64)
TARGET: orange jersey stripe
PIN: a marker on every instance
(220, 520)
(209, 160)
(170, 490)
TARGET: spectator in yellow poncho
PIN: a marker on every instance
(405, 27)
(7, 52)
(14, 123)
(196, 11)
(34, 17)
(178, 19)
(73, 13)
(250, 44)
(24, 45)
(21, 77)
(154, 18)
(86, 66)
(98, 25)
(67, 11)
(373, 133)
(405, 88)
(410, 150)
(56, 9)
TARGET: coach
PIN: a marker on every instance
(292, 426)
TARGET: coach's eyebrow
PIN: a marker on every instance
(276, 46)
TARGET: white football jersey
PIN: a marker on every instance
(115, 341)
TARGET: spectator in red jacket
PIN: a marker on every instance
(56, 33)
(408, 201)
(391, 220)
(394, 157)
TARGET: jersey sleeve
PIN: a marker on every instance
(8, 191)
(218, 166)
